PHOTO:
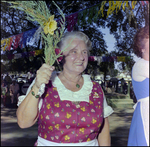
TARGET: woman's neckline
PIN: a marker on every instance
(57, 75)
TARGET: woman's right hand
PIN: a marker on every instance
(43, 75)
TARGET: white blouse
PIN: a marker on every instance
(140, 70)
(66, 94)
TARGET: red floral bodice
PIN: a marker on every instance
(64, 122)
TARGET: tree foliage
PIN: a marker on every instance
(20, 22)
(120, 24)
(13, 21)
(124, 29)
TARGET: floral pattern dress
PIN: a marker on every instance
(67, 117)
(65, 122)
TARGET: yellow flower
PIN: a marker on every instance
(50, 26)
(50, 127)
(82, 130)
(67, 137)
(99, 107)
(54, 89)
(99, 125)
(83, 109)
(94, 121)
(88, 139)
(94, 83)
(91, 102)
(57, 105)
(68, 115)
(45, 136)
(96, 95)
(57, 126)
(48, 106)
(47, 95)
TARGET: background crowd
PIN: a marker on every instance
(11, 88)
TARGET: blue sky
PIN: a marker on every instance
(109, 38)
(110, 41)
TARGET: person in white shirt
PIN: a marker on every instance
(139, 129)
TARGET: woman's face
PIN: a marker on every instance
(76, 56)
(146, 50)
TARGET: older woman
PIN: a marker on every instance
(72, 109)
(139, 129)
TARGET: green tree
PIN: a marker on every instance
(89, 23)
(124, 27)
(14, 22)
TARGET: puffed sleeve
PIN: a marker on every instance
(41, 91)
(140, 70)
(22, 97)
(107, 109)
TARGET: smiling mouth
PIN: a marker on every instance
(78, 64)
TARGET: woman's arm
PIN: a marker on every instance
(104, 138)
(27, 112)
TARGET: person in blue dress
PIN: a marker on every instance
(139, 129)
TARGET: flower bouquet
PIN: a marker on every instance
(51, 33)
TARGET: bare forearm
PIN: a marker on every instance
(104, 138)
(28, 110)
